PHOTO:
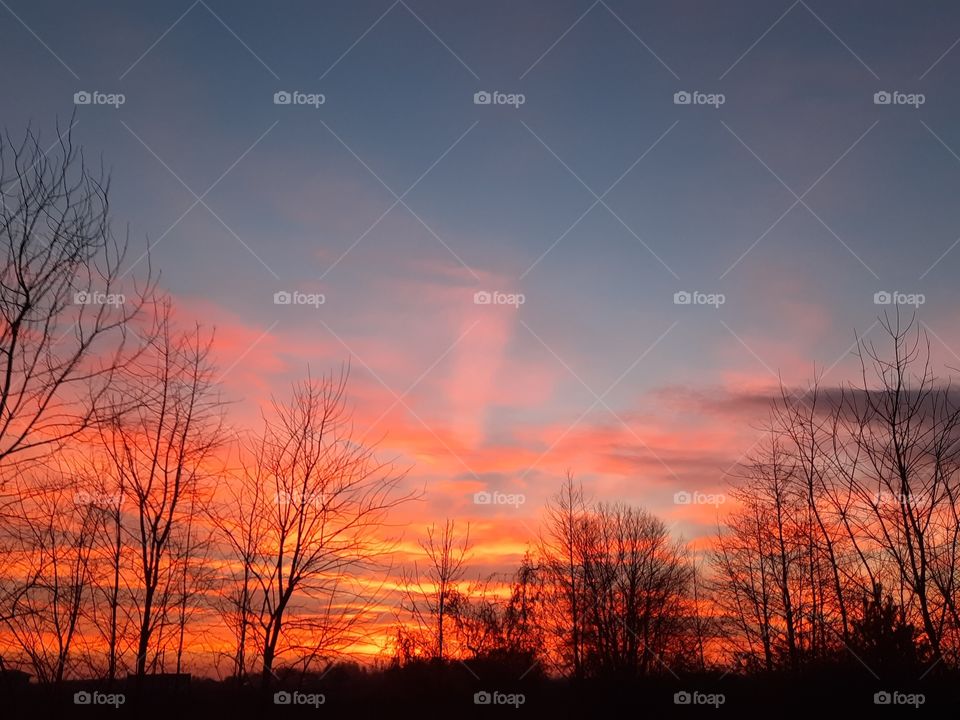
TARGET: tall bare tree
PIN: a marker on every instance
(855, 489)
(160, 451)
(432, 592)
(906, 427)
(635, 580)
(617, 588)
(559, 549)
(65, 311)
(238, 515)
(307, 521)
(54, 539)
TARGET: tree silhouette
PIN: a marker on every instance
(64, 313)
(159, 452)
(884, 639)
(432, 596)
(304, 521)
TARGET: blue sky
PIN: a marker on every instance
(496, 198)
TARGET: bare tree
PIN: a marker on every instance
(856, 488)
(703, 620)
(159, 452)
(54, 541)
(617, 587)
(64, 312)
(238, 514)
(308, 521)
(760, 562)
(559, 549)
(110, 609)
(635, 581)
(908, 483)
(432, 594)
(194, 579)
(806, 430)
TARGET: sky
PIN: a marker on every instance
(581, 200)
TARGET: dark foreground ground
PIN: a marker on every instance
(454, 692)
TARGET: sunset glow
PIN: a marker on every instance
(512, 350)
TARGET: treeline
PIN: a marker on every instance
(846, 535)
(840, 550)
(132, 516)
(121, 523)
(606, 593)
